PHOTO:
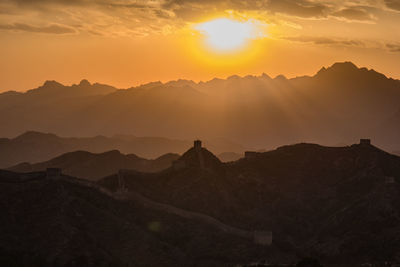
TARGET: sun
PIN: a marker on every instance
(227, 35)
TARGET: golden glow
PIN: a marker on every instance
(227, 35)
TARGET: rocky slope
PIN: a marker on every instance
(63, 221)
(338, 203)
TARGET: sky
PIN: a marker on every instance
(130, 42)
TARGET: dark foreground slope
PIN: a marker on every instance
(70, 222)
(95, 166)
(341, 204)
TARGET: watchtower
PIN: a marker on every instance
(53, 173)
(365, 141)
(197, 145)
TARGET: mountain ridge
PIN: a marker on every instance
(335, 67)
(94, 166)
(34, 147)
(336, 105)
(318, 200)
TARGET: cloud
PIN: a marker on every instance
(395, 48)
(144, 17)
(305, 9)
(298, 8)
(51, 28)
(354, 13)
(63, 2)
(325, 41)
(393, 4)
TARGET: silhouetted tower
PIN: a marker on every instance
(197, 145)
(198, 149)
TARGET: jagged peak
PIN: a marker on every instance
(234, 77)
(85, 82)
(348, 69)
(265, 76)
(280, 77)
(345, 66)
(51, 83)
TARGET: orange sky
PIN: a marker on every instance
(126, 43)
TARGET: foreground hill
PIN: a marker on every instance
(95, 166)
(35, 147)
(339, 203)
(63, 221)
(336, 105)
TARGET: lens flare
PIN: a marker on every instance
(227, 35)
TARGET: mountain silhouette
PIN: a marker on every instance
(338, 104)
(95, 166)
(65, 221)
(34, 147)
(229, 156)
(335, 202)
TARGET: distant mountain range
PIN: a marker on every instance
(92, 166)
(338, 204)
(339, 104)
(34, 147)
(229, 156)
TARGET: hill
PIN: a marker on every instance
(95, 166)
(89, 226)
(338, 104)
(229, 156)
(337, 203)
(34, 147)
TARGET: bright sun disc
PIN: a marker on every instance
(226, 35)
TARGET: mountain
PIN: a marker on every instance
(90, 226)
(34, 147)
(229, 156)
(339, 104)
(340, 204)
(95, 166)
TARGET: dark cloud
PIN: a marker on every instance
(393, 4)
(109, 3)
(324, 41)
(187, 9)
(51, 29)
(301, 8)
(354, 13)
(131, 16)
(393, 48)
(63, 2)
